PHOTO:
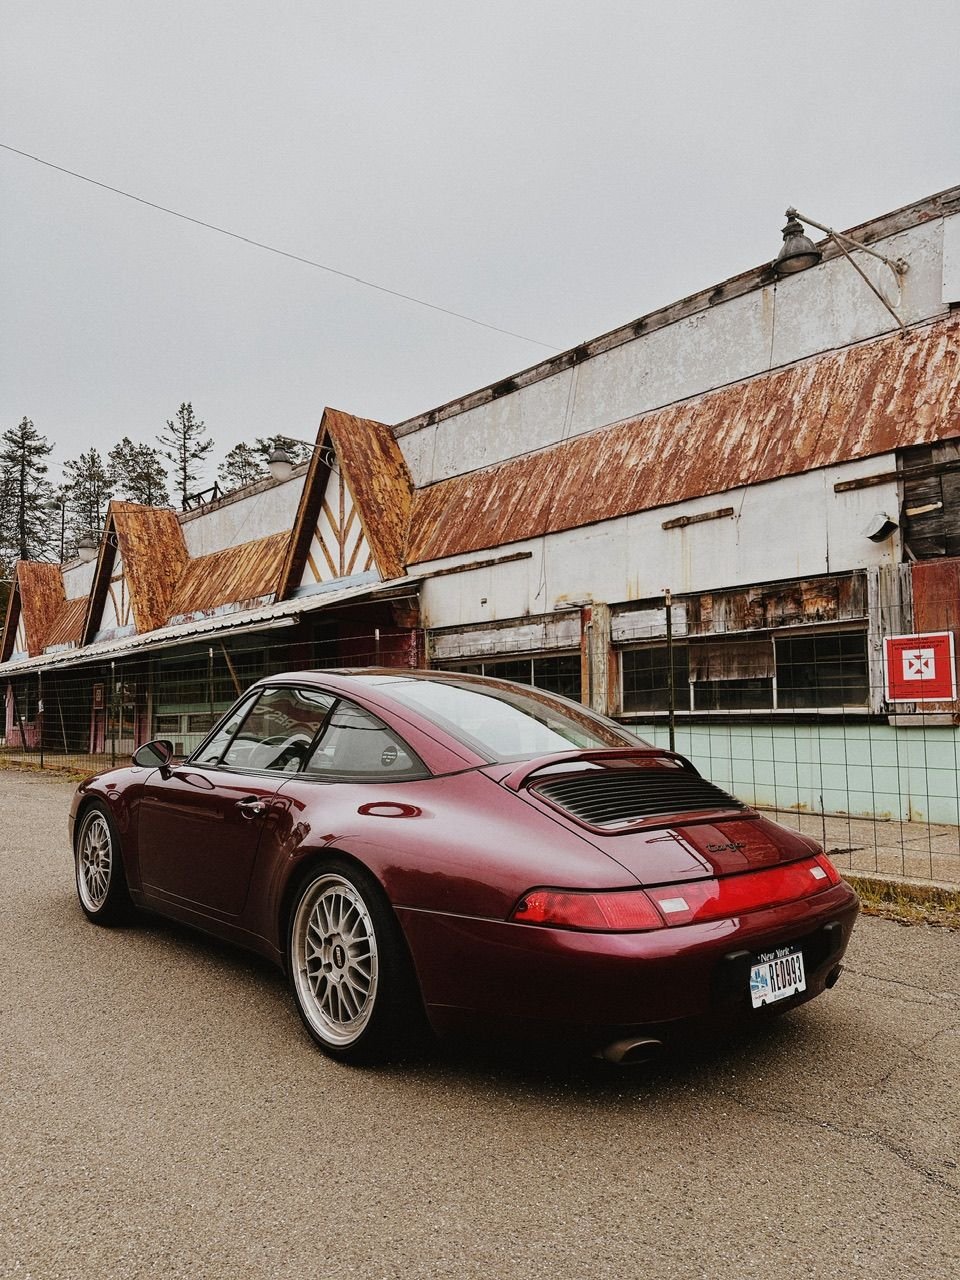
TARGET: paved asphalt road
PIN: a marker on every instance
(164, 1115)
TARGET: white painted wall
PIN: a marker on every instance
(817, 310)
(78, 578)
(268, 509)
(796, 526)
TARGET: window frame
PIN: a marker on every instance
(245, 706)
(476, 666)
(775, 708)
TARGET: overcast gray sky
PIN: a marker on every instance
(550, 167)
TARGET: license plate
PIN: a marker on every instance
(776, 975)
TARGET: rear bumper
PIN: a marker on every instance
(491, 977)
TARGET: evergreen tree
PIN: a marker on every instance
(138, 473)
(24, 515)
(242, 466)
(185, 443)
(87, 490)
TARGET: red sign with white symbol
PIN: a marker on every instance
(919, 668)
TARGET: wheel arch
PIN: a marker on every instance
(313, 861)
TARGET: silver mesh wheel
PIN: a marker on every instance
(94, 861)
(334, 958)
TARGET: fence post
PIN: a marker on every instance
(113, 713)
(40, 714)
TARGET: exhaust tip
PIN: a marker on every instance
(833, 977)
(625, 1053)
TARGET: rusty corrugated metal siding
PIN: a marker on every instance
(377, 476)
(233, 576)
(936, 606)
(866, 400)
(936, 595)
(150, 543)
(154, 558)
(41, 599)
(67, 627)
(382, 490)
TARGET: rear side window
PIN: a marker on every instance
(356, 746)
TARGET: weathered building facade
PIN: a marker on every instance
(705, 523)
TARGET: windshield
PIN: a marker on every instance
(505, 723)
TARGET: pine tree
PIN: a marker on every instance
(25, 516)
(242, 466)
(138, 473)
(185, 443)
(87, 490)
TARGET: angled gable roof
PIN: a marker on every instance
(149, 541)
(238, 575)
(376, 475)
(37, 596)
(871, 399)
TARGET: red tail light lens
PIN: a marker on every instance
(750, 891)
(639, 910)
(833, 875)
(623, 911)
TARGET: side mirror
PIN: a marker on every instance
(154, 755)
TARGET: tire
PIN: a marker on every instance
(101, 881)
(349, 968)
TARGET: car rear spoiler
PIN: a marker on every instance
(519, 776)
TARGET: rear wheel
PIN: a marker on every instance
(101, 883)
(349, 969)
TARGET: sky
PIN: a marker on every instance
(547, 167)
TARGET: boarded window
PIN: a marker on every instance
(931, 500)
(740, 659)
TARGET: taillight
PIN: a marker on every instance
(622, 911)
(736, 895)
(692, 902)
(824, 863)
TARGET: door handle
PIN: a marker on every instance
(251, 807)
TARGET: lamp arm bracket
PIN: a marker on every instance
(897, 265)
(898, 268)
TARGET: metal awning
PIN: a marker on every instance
(266, 618)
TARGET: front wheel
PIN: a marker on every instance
(101, 883)
(349, 969)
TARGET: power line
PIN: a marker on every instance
(294, 257)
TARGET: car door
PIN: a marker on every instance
(203, 824)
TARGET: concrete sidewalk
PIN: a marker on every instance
(914, 851)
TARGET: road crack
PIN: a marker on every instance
(903, 1154)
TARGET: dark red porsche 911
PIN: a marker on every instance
(434, 851)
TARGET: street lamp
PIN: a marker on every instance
(280, 462)
(799, 252)
(87, 549)
(59, 503)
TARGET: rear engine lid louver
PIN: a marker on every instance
(619, 797)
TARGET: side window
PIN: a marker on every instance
(209, 752)
(357, 746)
(272, 731)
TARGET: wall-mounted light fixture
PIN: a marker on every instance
(280, 461)
(799, 252)
(88, 546)
(880, 527)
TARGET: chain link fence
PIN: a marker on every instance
(795, 720)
